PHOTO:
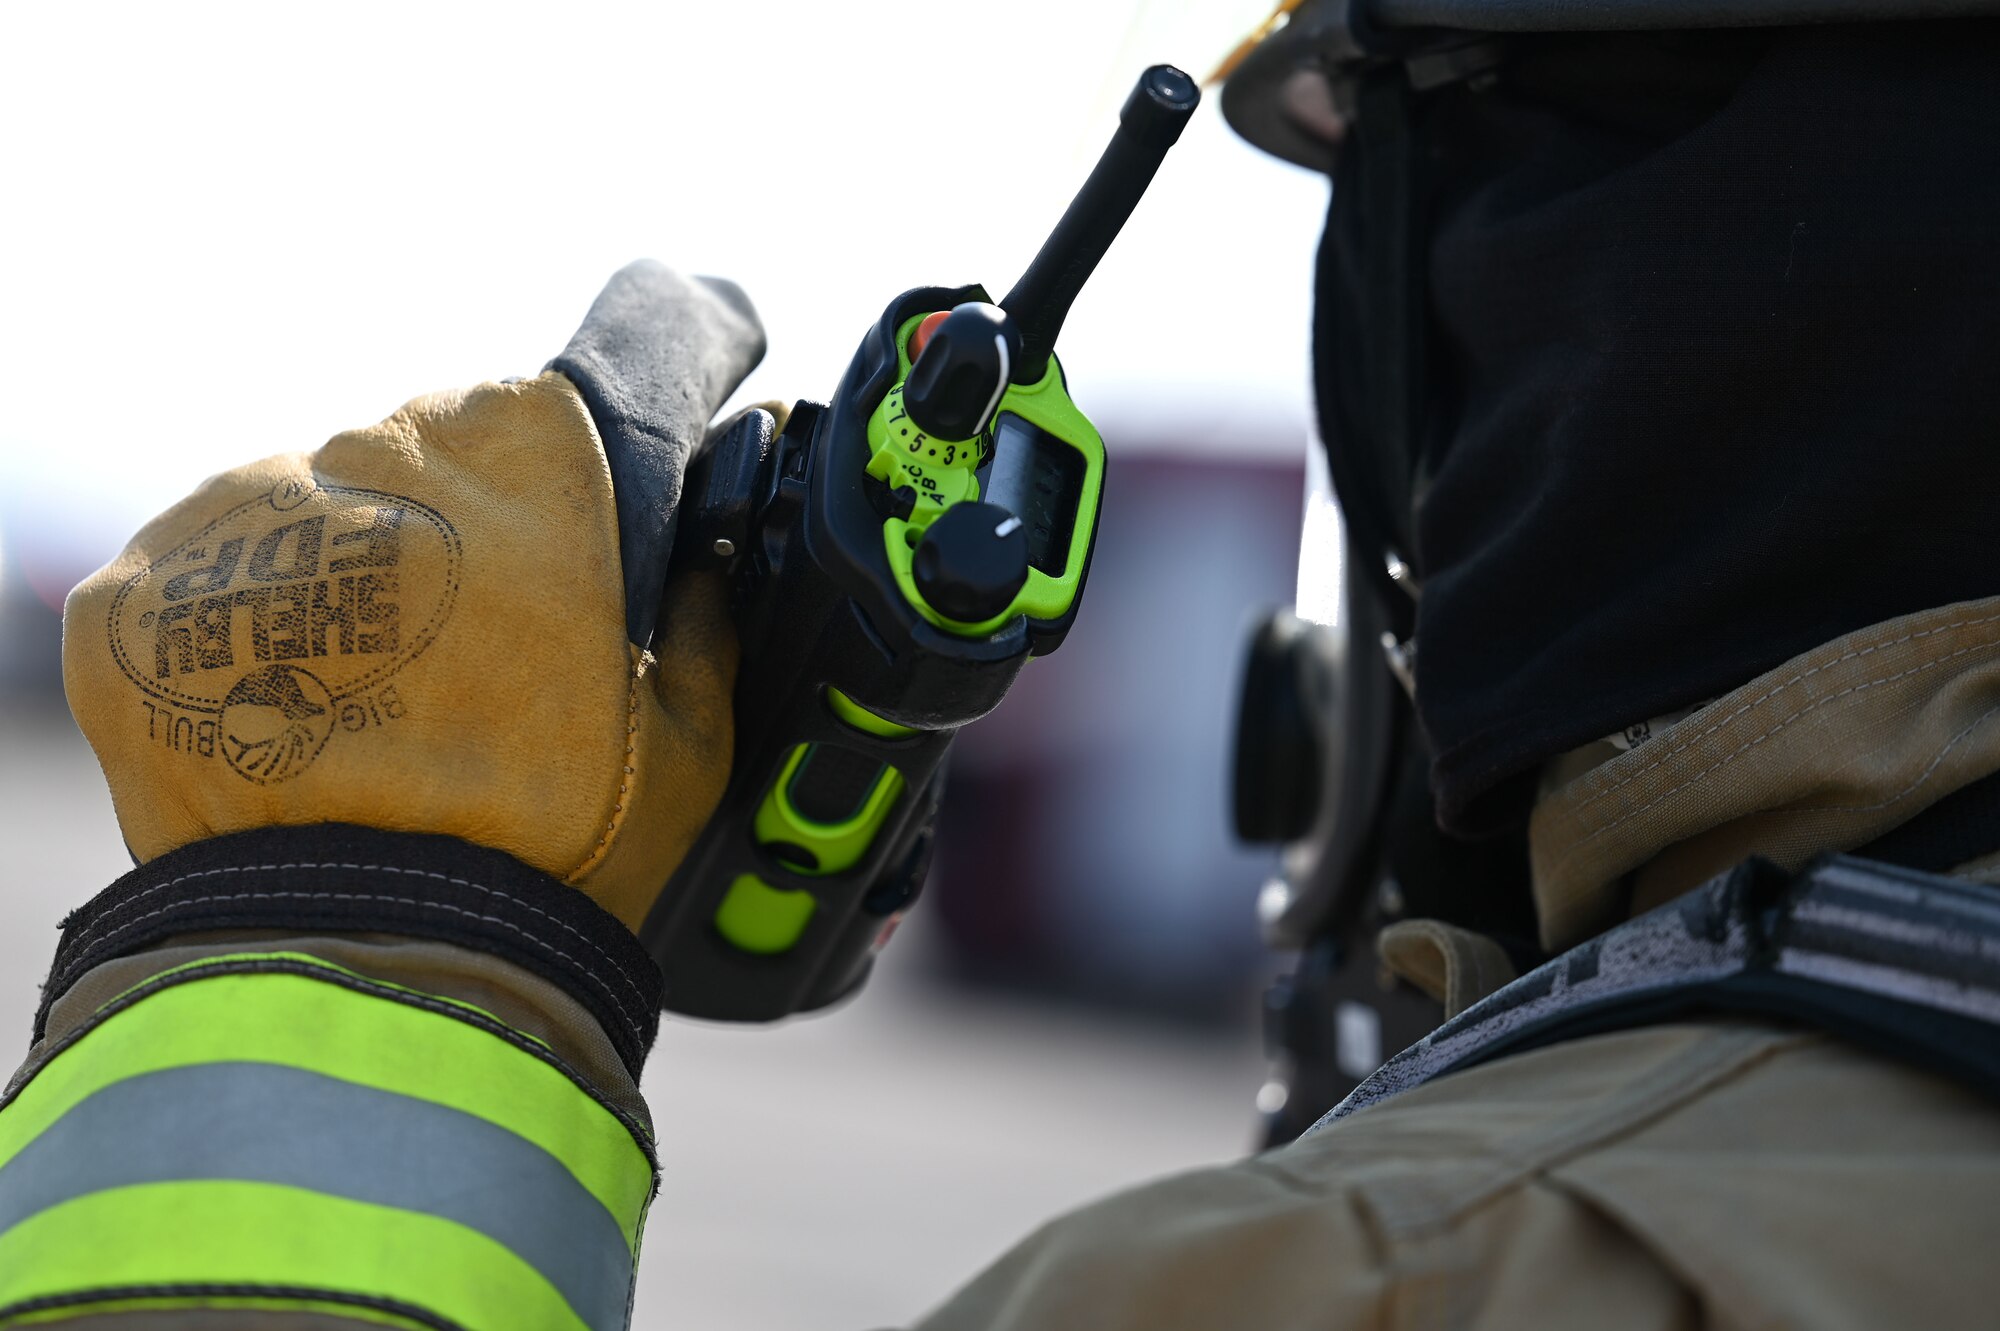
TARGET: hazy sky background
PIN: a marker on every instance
(227, 232)
(231, 231)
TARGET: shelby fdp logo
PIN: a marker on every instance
(274, 616)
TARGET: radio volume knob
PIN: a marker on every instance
(972, 562)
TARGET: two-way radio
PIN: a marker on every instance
(897, 554)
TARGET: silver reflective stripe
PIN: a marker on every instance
(266, 1123)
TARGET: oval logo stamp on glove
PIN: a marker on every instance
(279, 612)
(274, 722)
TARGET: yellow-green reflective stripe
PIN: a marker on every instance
(266, 1123)
(163, 1234)
(306, 1023)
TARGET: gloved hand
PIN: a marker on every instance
(371, 716)
(440, 624)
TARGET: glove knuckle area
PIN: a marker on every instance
(419, 627)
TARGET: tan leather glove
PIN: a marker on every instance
(442, 623)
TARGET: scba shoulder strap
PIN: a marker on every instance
(1901, 962)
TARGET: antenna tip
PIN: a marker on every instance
(1171, 86)
(1161, 103)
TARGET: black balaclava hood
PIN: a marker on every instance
(1709, 371)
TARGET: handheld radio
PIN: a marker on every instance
(897, 555)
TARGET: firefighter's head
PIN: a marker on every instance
(1645, 333)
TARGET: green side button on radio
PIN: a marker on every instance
(822, 813)
(763, 919)
(819, 817)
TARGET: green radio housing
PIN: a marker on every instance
(889, 584)
(852, 684)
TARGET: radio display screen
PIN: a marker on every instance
(1038, 478)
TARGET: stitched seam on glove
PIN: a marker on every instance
(617, 819)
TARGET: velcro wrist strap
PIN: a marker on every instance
(336, 877)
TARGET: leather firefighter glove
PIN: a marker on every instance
(441, 623)
(381, 723)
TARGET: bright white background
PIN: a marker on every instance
(232, 231)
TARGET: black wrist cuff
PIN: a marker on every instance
(336, 877)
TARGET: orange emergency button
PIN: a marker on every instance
(922, 336)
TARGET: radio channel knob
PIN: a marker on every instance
(972, 562)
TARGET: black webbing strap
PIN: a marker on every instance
(1903, 963)
(340, 878)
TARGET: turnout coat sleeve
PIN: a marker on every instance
(314, 1131)
(1708, 1175)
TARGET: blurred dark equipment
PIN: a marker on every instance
(1362, 845)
